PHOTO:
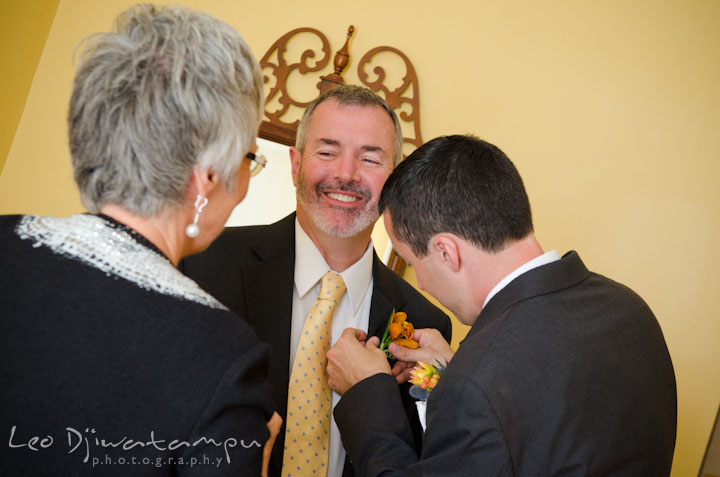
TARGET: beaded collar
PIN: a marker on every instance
(111, 247)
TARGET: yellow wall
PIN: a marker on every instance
(610, 109)
(24, 26)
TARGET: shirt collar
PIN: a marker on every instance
(310, 266)
(543, 259)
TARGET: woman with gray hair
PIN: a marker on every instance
(112, 361)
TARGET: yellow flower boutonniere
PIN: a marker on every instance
(424, 378)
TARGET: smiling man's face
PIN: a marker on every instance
(348, 157)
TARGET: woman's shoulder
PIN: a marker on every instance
(12, 246)
(9, 222)
(194, 321)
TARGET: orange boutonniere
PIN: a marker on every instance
(399, 331)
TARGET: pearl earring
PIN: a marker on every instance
(193, 230)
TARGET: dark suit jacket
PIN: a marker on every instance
(251, 269)
(565, 372)
(86, 355)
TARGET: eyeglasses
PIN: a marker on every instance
(259, 161)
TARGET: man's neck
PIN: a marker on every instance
(501, 264)
(339, 253)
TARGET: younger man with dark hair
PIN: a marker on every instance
(564, 372)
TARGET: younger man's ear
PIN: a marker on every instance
(446, 248)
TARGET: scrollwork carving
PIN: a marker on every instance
(276, 128)
(407, 94)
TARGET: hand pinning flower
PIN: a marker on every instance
(399, 331)
(424, 378)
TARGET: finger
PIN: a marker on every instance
(423, 335)
(401, 366)
(401, 371)
(372, 342)
(273, 426)
(359, 335)
(426, 355)
(434, 343)
(404, 376)
(275, 421)
(332, 381)
(402, 353)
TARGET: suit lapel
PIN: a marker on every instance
(268, 282)
(385, 298)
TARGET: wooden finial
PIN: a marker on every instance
(342, 58)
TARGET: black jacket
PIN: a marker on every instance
(108, 373)
(251, 270)
(565, 372)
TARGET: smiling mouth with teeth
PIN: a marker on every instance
(342, 197)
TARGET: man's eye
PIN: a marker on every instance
(370, 160)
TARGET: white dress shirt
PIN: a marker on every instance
(543, 259)
(353, 311)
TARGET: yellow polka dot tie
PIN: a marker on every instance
(309, 396)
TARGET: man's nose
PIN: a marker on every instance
(348, 168)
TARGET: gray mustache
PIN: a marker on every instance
(344, 187)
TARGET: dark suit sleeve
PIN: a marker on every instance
(375, 430)
(228, 437)
(422, 314)
(378, 439)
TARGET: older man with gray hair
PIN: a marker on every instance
(348, 143)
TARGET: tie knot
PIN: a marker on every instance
(332, 286)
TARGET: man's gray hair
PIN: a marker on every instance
(355, 96)
(167, 89)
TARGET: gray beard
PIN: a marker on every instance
(355, 223)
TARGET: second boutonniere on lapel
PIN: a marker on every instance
(424, 377)
(398, 331)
